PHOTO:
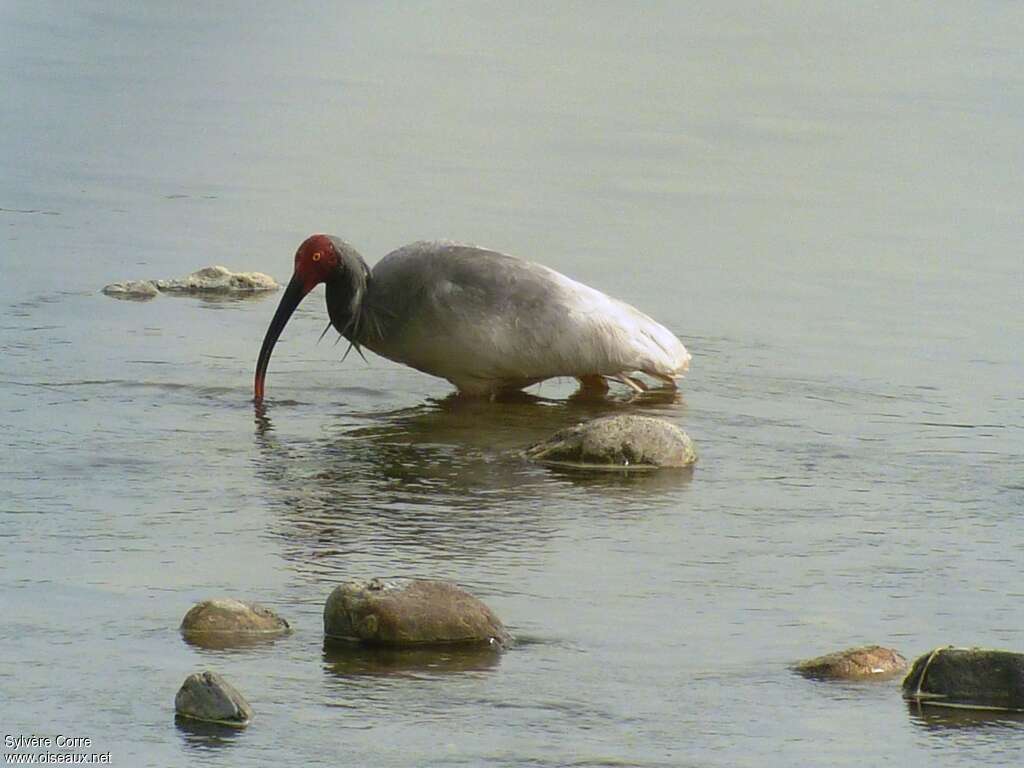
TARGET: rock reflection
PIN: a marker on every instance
(938, 718)
(205, 737)
(348, 659)
(616, 480)
(230, 641)
(219, 300)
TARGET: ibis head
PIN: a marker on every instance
(320, 259)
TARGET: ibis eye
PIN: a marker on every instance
(316, 256)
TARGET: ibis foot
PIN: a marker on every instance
(668, 381)
(594, 384)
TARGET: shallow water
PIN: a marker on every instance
(822, 201)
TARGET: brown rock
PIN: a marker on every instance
(226, 615)
(404, 612)
(865, 662)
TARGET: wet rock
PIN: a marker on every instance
(407, 612)
(137, 290)
(618, 442)
(218, 279)
(970, 678)
(208, 697)
(226, 616)
(864, 662)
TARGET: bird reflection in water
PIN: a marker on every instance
(443, 484)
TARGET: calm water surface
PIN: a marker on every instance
(823, 201)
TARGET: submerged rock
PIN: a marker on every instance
(208, 697)
(226, 616)
(218, 279)
(408, 612)
(618, 442)
(969, 678)
(137, 290)
(864, 662)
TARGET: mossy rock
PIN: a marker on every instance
(618, 442)
(969, 678)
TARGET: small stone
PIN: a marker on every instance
(133, 290)
(968, 678)
(407, 612)
(618, 442)
(217, 279)
(865, 662)
(208, 697)
(230, 616)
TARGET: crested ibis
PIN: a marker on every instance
(485, 321)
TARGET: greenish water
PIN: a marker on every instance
(821, 200)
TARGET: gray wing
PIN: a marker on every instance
(479, 318)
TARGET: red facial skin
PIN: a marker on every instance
(315, 260)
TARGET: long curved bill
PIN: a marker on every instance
(293, 295)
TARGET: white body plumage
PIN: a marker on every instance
(489, 322)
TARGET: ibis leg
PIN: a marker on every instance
(593, 384)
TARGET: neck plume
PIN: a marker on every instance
(346, 295)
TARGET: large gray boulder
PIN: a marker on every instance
(971, 678)
(866, 662)
(225, 622)
(209, 698)
(618, 442)
(410, 612)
